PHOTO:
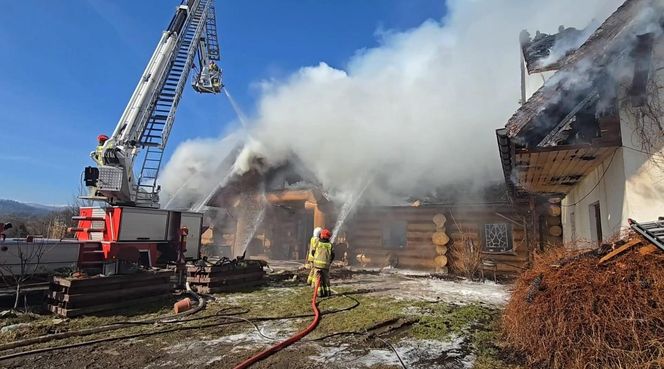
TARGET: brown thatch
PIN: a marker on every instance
(568, 312)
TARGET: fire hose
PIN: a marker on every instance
(298, 336)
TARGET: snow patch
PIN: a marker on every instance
(459, 292)
(414, 353)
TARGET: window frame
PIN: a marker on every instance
(509, 238)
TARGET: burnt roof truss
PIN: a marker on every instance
(554, 136)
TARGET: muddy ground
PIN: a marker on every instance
(429, 322)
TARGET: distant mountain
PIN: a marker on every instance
(11, 207)
(46, 207)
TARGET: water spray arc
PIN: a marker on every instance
(350, 204)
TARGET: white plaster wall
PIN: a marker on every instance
(606, 188)
(644, 164)
(633, 186)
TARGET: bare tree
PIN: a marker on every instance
(647, 116)
(20, 261)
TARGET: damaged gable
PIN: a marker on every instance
(542, 52)
(572, 123)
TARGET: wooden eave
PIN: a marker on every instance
(555, 170)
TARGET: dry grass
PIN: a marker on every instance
(568, 312)
(466, 258)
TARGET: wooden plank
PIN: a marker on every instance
(619, 251)
(92, 299)
(103, 308)
(113, 287)
(111, 280)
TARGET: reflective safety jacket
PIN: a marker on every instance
(98, 155)
(323, 255)
(312, 248)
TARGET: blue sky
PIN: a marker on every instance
(69, 68)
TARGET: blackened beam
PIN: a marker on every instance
(549, 140)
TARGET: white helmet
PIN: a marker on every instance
(317, 231)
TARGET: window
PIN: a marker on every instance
(394, 234)
(497, 237)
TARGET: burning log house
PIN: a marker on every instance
(592, 135)
(436, 233)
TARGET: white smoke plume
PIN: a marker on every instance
(416, 112)
(195, 170)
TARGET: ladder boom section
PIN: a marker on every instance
(143, 130)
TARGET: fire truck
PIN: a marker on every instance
(129, 225)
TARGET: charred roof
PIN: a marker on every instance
(538, 51)
(602, 47)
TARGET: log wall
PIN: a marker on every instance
(365, 235)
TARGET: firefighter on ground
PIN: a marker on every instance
(310, 256)
(97, 155)
(323, 257)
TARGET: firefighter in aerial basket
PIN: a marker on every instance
(310, 256)
(323, 257)
(97, 155)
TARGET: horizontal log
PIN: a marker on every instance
(506, 258)
(382, 253)
(415, 225)
(415, 263)
(415, 234)
(365, 240)
(478, 217)
(422, 227)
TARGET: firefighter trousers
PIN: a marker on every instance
(324, 287)
(311, 279)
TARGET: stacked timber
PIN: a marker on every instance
(440, 239)
(71, 297)
(225, 277)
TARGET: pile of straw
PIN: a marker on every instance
(569, 312)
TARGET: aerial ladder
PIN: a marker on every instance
(143, 130)
(131, 223)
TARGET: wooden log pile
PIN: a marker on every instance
(225, 277)
(71, 297)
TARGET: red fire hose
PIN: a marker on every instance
(281, 345)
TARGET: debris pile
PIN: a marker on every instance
(587, 310)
